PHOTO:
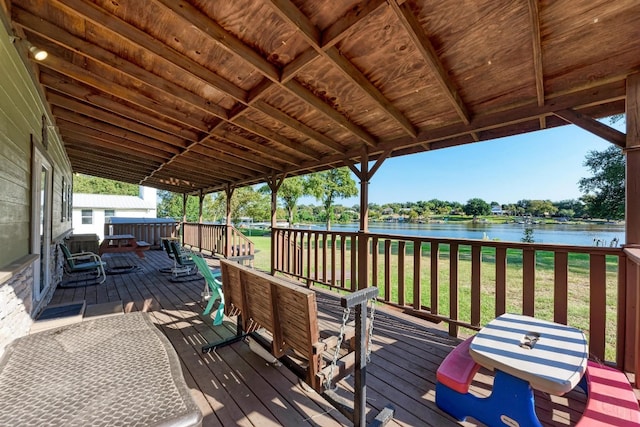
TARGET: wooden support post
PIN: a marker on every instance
(632, 222)
(274, 185)
(184, 215)
(365, 174)
(363, 232)
(200, 203)
(227, 240)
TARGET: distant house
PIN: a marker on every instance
(496, 210)
(91, 210)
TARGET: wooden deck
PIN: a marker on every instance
(233, 386)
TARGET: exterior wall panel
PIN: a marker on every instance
(21, 122)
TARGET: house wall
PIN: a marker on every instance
(21, 112)
(97, 227)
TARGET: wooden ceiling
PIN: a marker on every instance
(197, 95)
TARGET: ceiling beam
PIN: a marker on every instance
(309, 97)
(105, 85)
(113, 119)
(534, 16)
(421, 41)
(595, 127)
(261, 150)
(241, 157)
(212, 29)
(299, 126)
(290, 13)
(457, 132)
(84, 93)
(116, 131)
(131, 34)
(69, 135)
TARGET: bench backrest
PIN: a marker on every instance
(288, 311)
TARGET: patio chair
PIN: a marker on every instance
(167, 248)
(83, 262)
(212, 290)
(183, 263)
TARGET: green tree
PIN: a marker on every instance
(527, 235)
(327, 186)
(170, 206)
(290, 191)
(604, 192)
(245, 201)
(477, 207)
(94, 185)
(541, 208)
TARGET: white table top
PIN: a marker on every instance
(555, 362)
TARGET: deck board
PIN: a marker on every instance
(234, 386)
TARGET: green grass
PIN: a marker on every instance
(577, 287)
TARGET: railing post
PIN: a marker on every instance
(632, 211)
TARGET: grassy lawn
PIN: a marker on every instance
(578, 282)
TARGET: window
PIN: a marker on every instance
(108, 213)
(87, 216)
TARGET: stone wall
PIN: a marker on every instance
(16, 305)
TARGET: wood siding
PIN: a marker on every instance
(21, 112)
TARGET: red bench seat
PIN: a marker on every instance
(610, 398)
(458, 369)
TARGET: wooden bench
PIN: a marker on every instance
(610, 398)
(288, 312)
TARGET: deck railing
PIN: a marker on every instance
(213, 238)
(466, 283)
(147, 230)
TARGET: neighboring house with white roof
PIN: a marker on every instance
(91, 210)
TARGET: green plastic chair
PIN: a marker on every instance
(83, 262)
(214, 288)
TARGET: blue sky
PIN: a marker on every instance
(540, 165)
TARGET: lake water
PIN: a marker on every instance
(567, 234)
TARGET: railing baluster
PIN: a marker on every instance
(374, 262)
(470, 295)
(528, 281)
(417, 288)
(476, 265)
(316, 272)
(598, 303)
(501, 281)
(333, 262)
(354, 263)
(387, 270)
(401, 290)
(560, 282)
(343, 263)
(435, 293)
(324, 257)
(454, 261)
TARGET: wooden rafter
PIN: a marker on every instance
(595, 127)
(534, 15)
(96, 15)
(429, 54)
(289, 12)
(490, 121)
(211, 28)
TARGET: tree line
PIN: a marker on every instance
(603, 197)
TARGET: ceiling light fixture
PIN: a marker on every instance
(37, 53)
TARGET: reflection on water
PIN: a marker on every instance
(567, 234)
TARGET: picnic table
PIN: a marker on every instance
(122, 243)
